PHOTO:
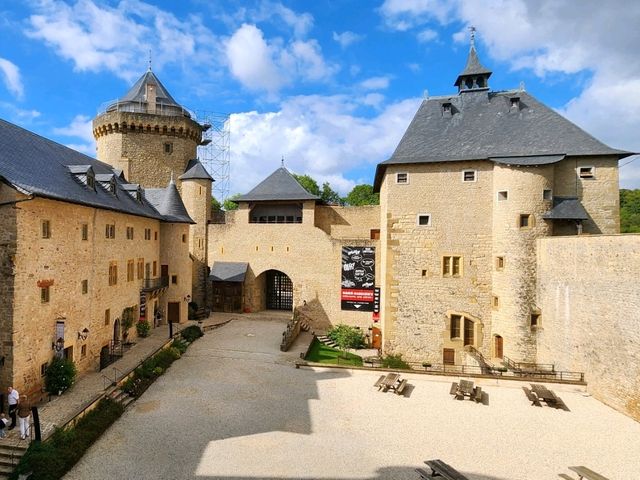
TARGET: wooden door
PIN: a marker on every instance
(448, 356)
(164, 271)
(376, 338)
(498, 346)
(174, 312)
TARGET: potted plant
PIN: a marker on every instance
(426, 365)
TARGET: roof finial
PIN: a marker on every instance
(149, 59)
(282, 161)
(472, 29)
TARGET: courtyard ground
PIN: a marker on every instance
(234, 407)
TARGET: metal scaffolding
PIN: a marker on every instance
(215, 152)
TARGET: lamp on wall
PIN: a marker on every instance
(83, 334)
(187, 298)
(58, 345)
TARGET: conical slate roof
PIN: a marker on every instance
(138, 92)
(195, 171)
(280, 185)
(473, 67)
(168, 203)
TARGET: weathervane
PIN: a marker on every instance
(149, 59)
(282, 161)
(472, 29)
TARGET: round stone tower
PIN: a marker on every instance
(147, 134)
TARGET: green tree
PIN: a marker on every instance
(362, 195)
(308, 183)
(630, 211)
(60, 375)
(346, 337)
(229, 203)
(216, 206)
(329, 195)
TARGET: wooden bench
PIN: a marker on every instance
(423, 473)
(379, 382)
(401, 386)
(565, 476)
(532, 397)
(454, 389)
(477, 394)
(587, 473)
(441, 469)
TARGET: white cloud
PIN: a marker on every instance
(262, 65)
(375, 83)
(425, 36)
(81, 127)
(347, 38)
(11, 77)
(277, 14)
(404, 15)
(19, 115)
(322, 136)
(414, 67)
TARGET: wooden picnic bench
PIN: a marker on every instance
(477, 394)
(587, 473)
(532, 398)
(440, 469)
(379, 382)
(401, 386)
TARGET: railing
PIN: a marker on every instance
(155, 283)
(291, 333)
(529, 366)
(142, 107)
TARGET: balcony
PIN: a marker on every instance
(155, 284)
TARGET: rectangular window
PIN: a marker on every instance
(184, 238)
(452, 266)
(129, 233)
(424, 273)
(168, 148)
(495, 302)
(147, 234)
(46, 229)
(535, 320)
(113, 273)
(499, 263)
(174, 279)
(43, 369)
(83, 351)
(155, 235)
(424, 220)
(586, 172)
(455, 326)
(468, 332)
(85, 287)
(547, 195)
(85, 231)
(130, 270)
(455, 266)
(468, 175)
(110, 231)
(503, 195)
(525, 221)
(155, 269)
(44, 294)
(374, 234)
(107, 316)
(140, 268)
(402, 177)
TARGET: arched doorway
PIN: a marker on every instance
(498, 346)
(278, 290)
(116, 331)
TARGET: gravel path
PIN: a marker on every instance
(235, 408)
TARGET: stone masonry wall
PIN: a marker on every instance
(174, 252)
(590, 303)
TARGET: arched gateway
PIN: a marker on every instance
(278, 291)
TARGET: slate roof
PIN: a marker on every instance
(168, 203)
(195, 171)
(280, 185)
(484, 126)
(473, 67)
(228, 271)
(138, 92)
(566, 208)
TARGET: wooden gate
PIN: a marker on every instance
(279, 291)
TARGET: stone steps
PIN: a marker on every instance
(10, 455)
(327, 341)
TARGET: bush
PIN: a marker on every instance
(395, 361)
(346, 336)
(60, 375)
(143, 328)
(191, 333)
(179, 345)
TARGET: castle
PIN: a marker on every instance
(496, 237)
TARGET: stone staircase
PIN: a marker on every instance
(327, 341)
(10, 454)
(120, 396)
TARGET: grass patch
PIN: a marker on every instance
(321, 353)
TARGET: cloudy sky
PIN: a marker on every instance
(331, 85)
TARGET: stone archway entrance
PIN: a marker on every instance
(278, 290)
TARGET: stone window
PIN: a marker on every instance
(85, 231)
(46, 229)
(535, 320)
(107, 316)
(374, 234)
(91, 181)
(525, 221)
(499, 263)
(174, 279)
(495, 302)
(424, 273)
(587, 172)
(140, 268)
(452, 266)
(168, 148)
(43, 369)
(44, 294)
(184, 238)
(454, 331)
(515, 103)
(469, 175)
(503, 195)
(446, 109)
(155, 268)
(129, 233)
(130, 270)
(147, 234)
(424, 220)
(402, 177)
(113, 273)
(110, 231)
(469, 333)
(155, 235)
(83, 351)
(547, 195)
(85, 287)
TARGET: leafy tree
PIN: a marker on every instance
(60, 375)
(229, 203)
(630, 211)
(329, 195)
(362, 195)
(216, 206)
(346, 337)
(308, 183)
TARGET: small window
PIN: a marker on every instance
(155, 235)
(586, 172)
(46, 229)
(446, 109)
(468, 175)
(140, 268)
(155, 268)
(44, 294)
(43, 369)
(535, 320)
(374, 234)
(424, 220)
(515, 102)
(184, 238)
(526, 221)
(455, 326)
(129, 233)
(547, 195)
(113, 273)
(402, 177)
(91, 182)
(168, 148)
(452, 266)
(499, 263)
(85, 287)
(130, 270)
(503, 195)
(174, 279)
(110, 231)
(83, 351)
(495, 302)
(85, 231)
(424, 273)
(107, 316)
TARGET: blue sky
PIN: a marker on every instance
(330, 85)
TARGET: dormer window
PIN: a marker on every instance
(447, 109)
(480, 82)
(112, 186)
(91, 181)
(515, 103)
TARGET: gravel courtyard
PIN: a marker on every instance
(234, 407)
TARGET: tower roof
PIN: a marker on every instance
(195, 171)
(168, 203)
(280, 185)
(473, 68)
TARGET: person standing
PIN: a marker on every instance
(24, 412)
(4, 421)
(13, 399)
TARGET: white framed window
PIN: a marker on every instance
(402, 177)
(423, 220)
(503, 195)
(587, 171)
(547, 194)
(469, 175)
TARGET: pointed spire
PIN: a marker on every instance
(149, 59)
(474, 76)
(282, 162)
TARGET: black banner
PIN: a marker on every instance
(358, 278)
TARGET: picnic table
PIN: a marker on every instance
(440, 469)
(586, 473)
(465, 388)
(544, 394)
(391, 381)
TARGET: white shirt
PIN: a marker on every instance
(14, 396)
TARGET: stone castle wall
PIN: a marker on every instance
(590, 303)
(174, 252)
